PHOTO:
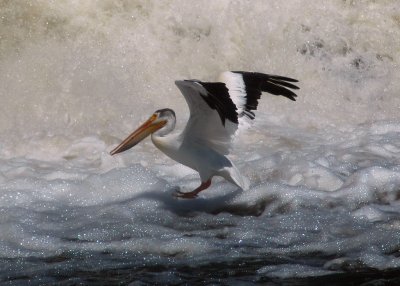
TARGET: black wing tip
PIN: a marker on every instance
(288, 94)
(274, 84)
(292, 97)
(284, 78)
(270, 76)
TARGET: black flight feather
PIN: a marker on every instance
(218, 98)
(255, 83)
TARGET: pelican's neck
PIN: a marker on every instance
(163, 137)
(165, 140)
(168, 144)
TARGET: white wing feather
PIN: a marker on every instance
(214, 118)
(205, 125)
(237, 89)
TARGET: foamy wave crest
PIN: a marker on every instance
(77, 76)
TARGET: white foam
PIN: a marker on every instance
(293, 271)
(324, 171)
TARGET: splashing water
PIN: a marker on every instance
(77, 76)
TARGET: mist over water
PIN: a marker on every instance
(78, 76)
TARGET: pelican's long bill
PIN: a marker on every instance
(150, 126)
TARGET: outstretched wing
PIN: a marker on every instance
(245, 89)
(216, 107)
(213, 117)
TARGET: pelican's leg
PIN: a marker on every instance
(193, 194)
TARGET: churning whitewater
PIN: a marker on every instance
(324, 171)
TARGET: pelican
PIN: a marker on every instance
(216, 109)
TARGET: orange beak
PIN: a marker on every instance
(150, 126)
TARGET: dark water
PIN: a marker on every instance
(83, 269)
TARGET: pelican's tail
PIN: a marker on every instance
(233, 175)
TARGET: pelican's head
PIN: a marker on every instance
(159, 119)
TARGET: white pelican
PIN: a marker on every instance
(216, 108)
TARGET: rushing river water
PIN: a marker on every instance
(78, 76)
